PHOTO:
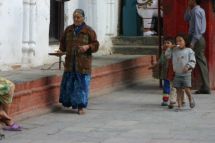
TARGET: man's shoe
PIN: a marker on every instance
(203, 92)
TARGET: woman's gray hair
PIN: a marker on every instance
(80, 11)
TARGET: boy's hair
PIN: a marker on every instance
(185, 37)
(170, 39)
(198, 2)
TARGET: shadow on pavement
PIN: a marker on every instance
(60, 109)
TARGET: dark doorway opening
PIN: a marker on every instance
(56, 26)
(130, 22)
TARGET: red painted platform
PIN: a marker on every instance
(32, 97)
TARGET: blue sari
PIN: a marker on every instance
(74, 90)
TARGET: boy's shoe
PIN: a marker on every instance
(171, 105)
(164, 104)
(183, 104)
(178, 109)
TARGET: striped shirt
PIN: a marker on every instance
(197, 23)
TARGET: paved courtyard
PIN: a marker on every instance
(129, 115)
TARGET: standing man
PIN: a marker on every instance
(195, 15)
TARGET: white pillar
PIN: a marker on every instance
(0, 29)
(25, 33)
(32, 31)
(110, 17)
(93, 14)
(0, 8)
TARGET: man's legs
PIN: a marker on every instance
(199, 49)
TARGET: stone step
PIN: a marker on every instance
(38, 90)
(135, 50)
(135, 40)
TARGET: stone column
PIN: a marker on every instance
(25, 33)
(32, 31)
(29, 31)
(0, 19)
(93, 13)
(110, 17)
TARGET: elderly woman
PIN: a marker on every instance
(79, 42)
(6, 95)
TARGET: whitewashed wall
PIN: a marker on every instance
(43, 21)
(101, 15)
(24, 36)
(10, 32)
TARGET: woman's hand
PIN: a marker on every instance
(57, 51)
(83, 48)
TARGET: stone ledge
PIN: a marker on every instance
(40, 95)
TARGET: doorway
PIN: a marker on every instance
(130, 22)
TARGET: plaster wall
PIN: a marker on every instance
(24, 36)
(10, 32)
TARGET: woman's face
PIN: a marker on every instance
(78, 19)
(181, 42)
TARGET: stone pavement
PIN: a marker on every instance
(129, 115)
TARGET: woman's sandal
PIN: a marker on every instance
(13, 127)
